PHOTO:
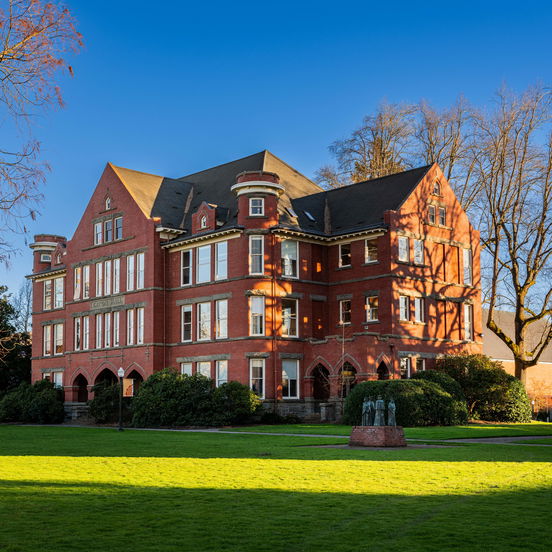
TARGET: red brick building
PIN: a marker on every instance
(249, 271)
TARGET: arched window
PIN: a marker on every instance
(436, 188)
(107, 203)
(203, 222)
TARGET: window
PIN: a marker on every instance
(45, 258)
(119, 228)
(221, 260)
(186, 322)
(130, 272)
(404, 307)
(108, 230)
(107, 327)
(221, 367)
(99, 279)
(116, 275)
(47, 340)
(290, 379)
(107, 203)
(345, 254)
(116, 338)
(372, 308)
(431, 214)
(289, 317)
(107, 280)
(58, 293)
(140, 261)
(203, 222)
(442, 216)
(420, 364)
(47, 294)
(57, 379)
(221, 322)
(203, 264)
(86, 281)
(345, 311)
(256, 255)
(99, 331)
(256, 376)
(419, 309)
(436, 188)
(257, 315)
(186, 368)
(77, 333)
(404, 249)
(256, 206)
(140, 325)
(467, 264)
(98, 233)
(370, 251)
(290, 255)
(204, 368)
(468, 322)
(419, 252)
(405, 367)
(77, 283)
(85, 333)
(130, 327)
(186, 267)
(203, 321)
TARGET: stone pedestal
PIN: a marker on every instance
(377, 436)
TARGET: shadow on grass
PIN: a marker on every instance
(89, 517)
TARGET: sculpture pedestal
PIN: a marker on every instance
(377, 436)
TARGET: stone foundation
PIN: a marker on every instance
(377, 436)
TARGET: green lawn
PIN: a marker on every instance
(101, 490)
(472, 431)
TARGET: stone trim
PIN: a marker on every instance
(402, 354)
(292, 356)
(256, 292)
(315, 297)
(117, 308)
(48, 370)
(119, 255)
(203, 358)
(204, 299)
(371, 293)
(294, 295)
(55, 321)
(103, 218)
(344, 297)
(257, 355)
(106, 243)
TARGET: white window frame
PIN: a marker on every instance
(189, 267)
(404, 308)
(186, 368)
(99, 331)
(77, 333)
(107, 277)
(293, 317)
(130, 266)
(419, 252)
(407, 361)
(57, 379)
(467, 264)
(297, 379)
(436, 188)
(85, 333)
(116, 276)
(203, 221)
(140, 314)
(58, 289)
(256, 207)
(342, 311)
(350, 254)
(257, 315)
(253, 256)
(140, 270)
(419, 310)
(221, 319)
(422, 361)
(47, 340)
(116, 235)
(203, 264)
(186, 309)
(468, 322)
(48, 295)
(257, 363)
(130, 327)
(371, 308)
(108, 228)
(370, 245)
(116, 329)
(431, 214)
(290, 260)
(107, 330)
(86, 281)
(203, 325)
(403, 243)
(204, 366)
(221, 260)
(221, 366)
(442, 216)
(99, 279)
(77, 283)
(98, 233)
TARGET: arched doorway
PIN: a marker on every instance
(383, 371)
(137, 379)
(321, 383)
(347, 377)
(81, 383)
(107, 377)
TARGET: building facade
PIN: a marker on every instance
(249, 271)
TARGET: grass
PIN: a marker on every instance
(472, 431)
(98, 489)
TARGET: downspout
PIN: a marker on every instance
(273, 315)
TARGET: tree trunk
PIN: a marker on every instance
(521, 371)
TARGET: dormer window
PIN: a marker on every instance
(107, 203)
(203, 222)
(256, 206)
(436, 188)
(58, 258)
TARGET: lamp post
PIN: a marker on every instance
(120, 373)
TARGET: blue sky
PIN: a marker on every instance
(180, 86)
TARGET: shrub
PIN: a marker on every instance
(104, 407)
(40, 403)
(491, 393)
(270, 417)
(418, 402)
(235, 402)
(449, 384)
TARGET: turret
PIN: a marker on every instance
(43, 248)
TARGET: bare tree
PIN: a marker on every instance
(33, 37)
(23, 304)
